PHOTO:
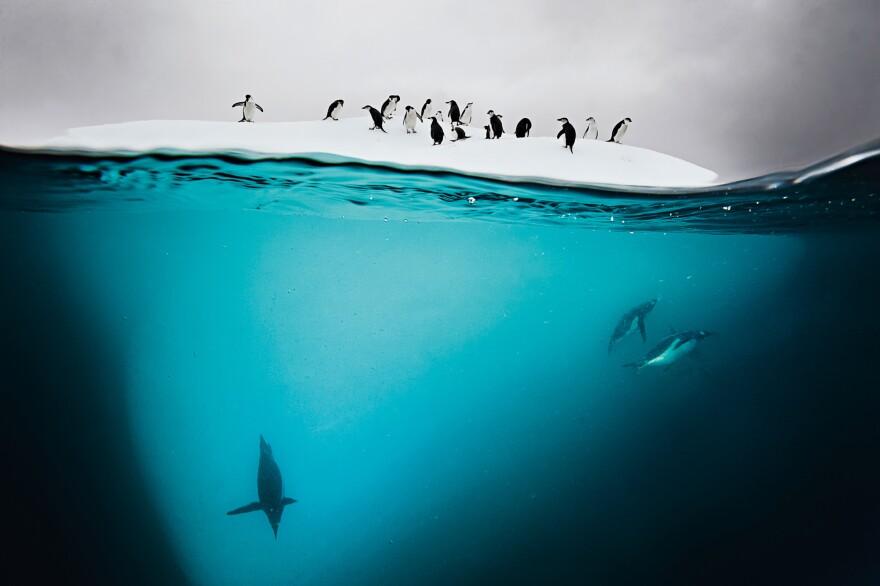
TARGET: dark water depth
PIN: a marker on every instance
(434, 377)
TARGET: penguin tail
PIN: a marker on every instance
(610, 140)
(637, 368)
(383, 130)
(571, 148)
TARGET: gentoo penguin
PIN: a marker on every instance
(632, 320)
(334, 110)
(592, 131)
(269, 489)
(459, 133)
(495, 123)
(454, 112)
(523, 127)
(409, 119)
(466, 114)
(250, 107)
(389, 106)
(619, 130)
(377, 118)
(569, 132)
(670, 349)
(427, 109)
(436, 131)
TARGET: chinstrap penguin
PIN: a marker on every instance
(427, 109)
(592, 131)
(459, 133)
(523, 127)
(454, 112)
(249, 109)
(409, 119)
(466, 114)
(436, 131)
(389, 106)
(377, 118)
(619, 130)
(334, 110)
(569, 132)
(495, 123)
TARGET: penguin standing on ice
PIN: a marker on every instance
(389, 106)
(249, 109)
(488, 128)
(592, 131)
(459, 133)
(409, 119)
(569, 132)
(523, 127)
(619, 130)
(454, 112)
(466, 114)
(427, 109)
(438, 114)
(377, 118)
(334, 110)
(495, 123)
(436, 131)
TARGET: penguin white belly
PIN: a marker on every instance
(410, 120)
(336, 110)
(465, 117)
(619, 136)
(249, 109)
(672, 354)
(592, 132)
(632, 326)
(428, 110)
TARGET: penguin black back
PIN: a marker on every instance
(523, 127)
(454, 112)
(459, 134)
(332, 108)
(569, 132)
(377, 118)
(436, 131)
(495, 123)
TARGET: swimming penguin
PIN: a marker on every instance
(249, 109)
(488, 128)
(495, 123)
(569, 132)
(269, 489)
(670, 349)
(454, 112)
(630, 321)
(377, 118)
(389, 106)
(436, 131)
(523, 127)
(592, 131)
(466, 114)
(459, 133)
(619, 130)
(409, 119)
(427, 109)
(334, 110)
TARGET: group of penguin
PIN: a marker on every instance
(457, 119)
(670, 349)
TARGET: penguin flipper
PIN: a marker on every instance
(642, 328)
(561, 132)
(287, 501)
(255, 506)
(258, 107)
(237, 104)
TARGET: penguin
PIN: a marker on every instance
(592, 131)
(436, 131)
(670, 349)
(389, 106)
(377, 118)
(427, 109)
(495, 123)
(569, 132)
(488, 128)
(466, 114)
(523, 127)
(630, 321)
(459, 133)
(619, 130)
(454, 112)
(409, 119)
(269, 489)
(334, 110)
(250, 107)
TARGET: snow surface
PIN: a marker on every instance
(540, 159)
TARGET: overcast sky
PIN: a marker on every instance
(741, 87)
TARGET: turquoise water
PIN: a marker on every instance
(433, 374)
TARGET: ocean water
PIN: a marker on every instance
(427, 355)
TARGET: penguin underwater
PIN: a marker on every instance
(377, 118)
(569, 132)
(249, 109)
(334, 110)
(270, 490)
(630, 321)
(670, 349)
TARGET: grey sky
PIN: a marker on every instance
(739, 87)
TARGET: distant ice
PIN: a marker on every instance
(541, 159)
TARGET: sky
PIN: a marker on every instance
(741, 87)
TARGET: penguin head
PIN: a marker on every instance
(627, 119)
(563, 120)
(469, 104)
(366, 107)
(591, 119)
(341, 102)
(247, 97)
(491, 112)
(395, 98)
(408, 108)
(428, 101)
